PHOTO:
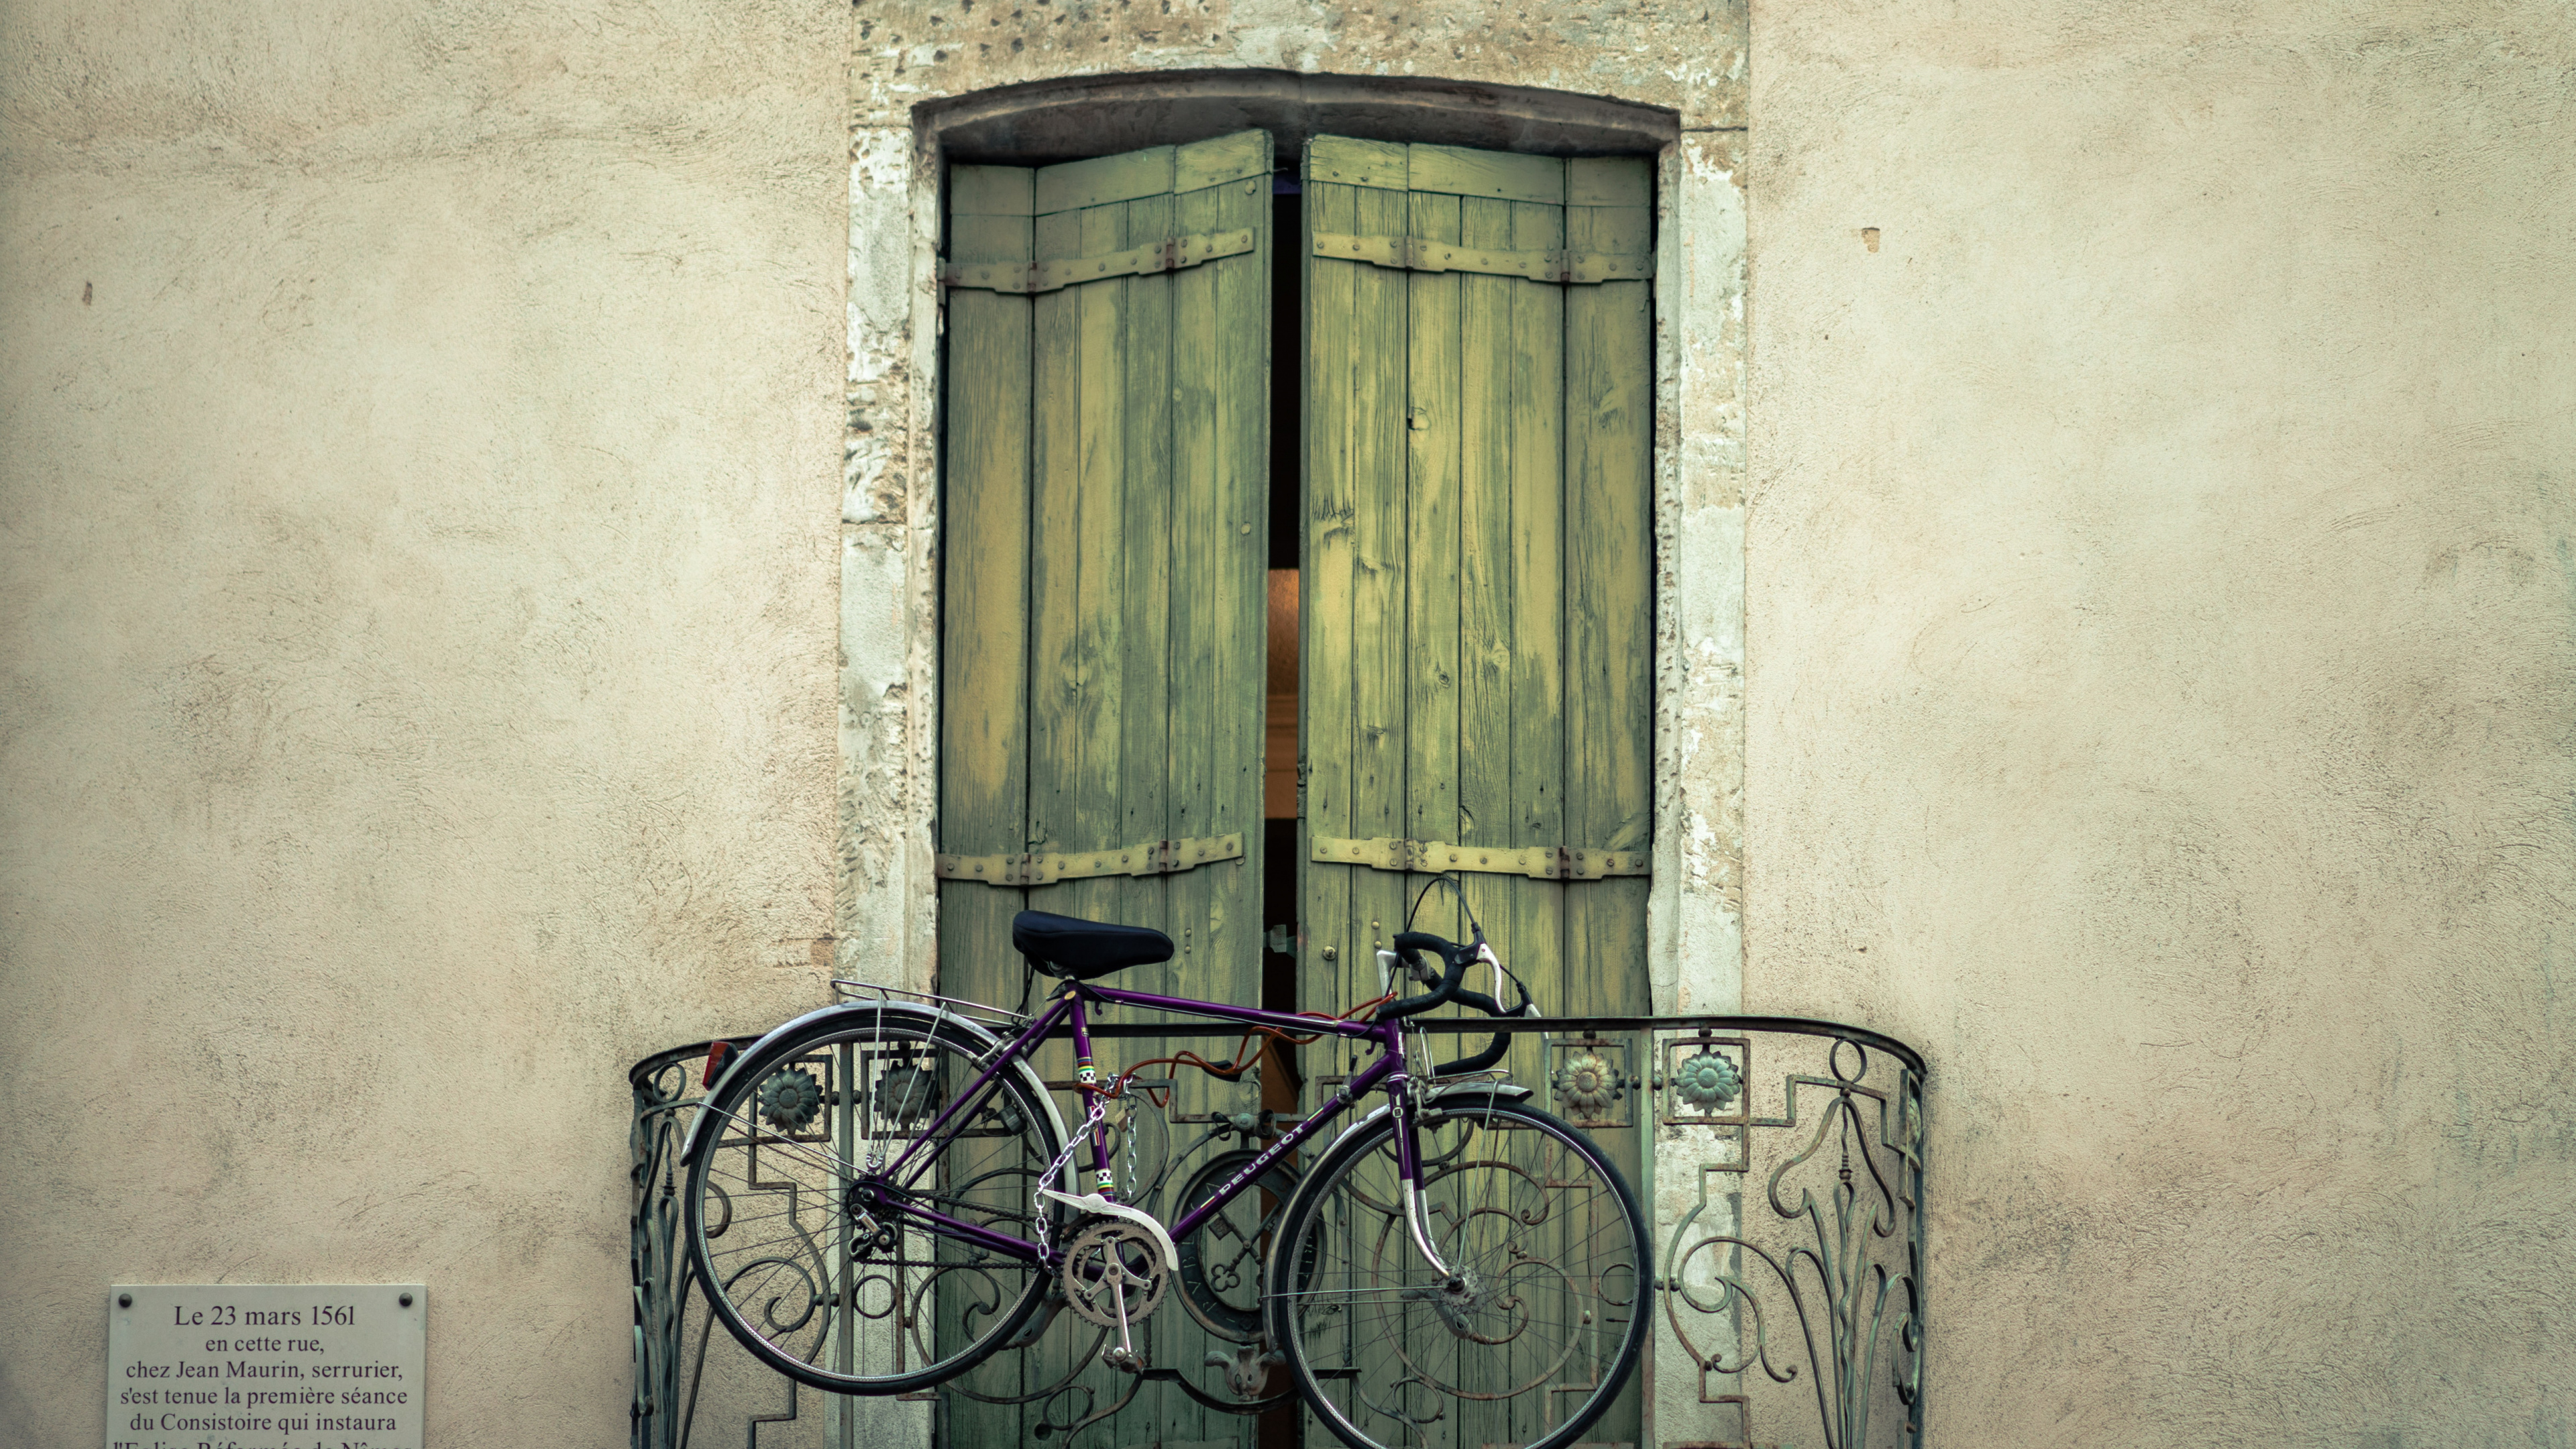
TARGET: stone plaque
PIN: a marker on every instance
(265, 1366)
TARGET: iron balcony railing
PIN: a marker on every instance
(1780, 1161)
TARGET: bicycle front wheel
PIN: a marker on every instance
(1529, 1336)
(833, 1256)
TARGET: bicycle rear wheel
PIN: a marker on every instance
(1531, 1336)
(822, 1255)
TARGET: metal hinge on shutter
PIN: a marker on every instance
(1171, 254)
(1154, 857)
(1433, 857)
(1413, 254)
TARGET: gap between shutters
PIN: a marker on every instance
(1433, 857)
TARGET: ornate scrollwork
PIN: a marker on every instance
(671, 1323)
(1791, 1286)
(1847, 1272)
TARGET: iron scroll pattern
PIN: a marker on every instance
(671, 1322)
(1788, 1225)
(1831, 1244)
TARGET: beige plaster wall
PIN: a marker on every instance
(420, 567)
(418, 469)
(2161, 659)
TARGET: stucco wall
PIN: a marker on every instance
(2159, 672)
(421, 448)
(417, 479)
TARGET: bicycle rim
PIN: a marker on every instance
(797, 1219)
(1530, 1340)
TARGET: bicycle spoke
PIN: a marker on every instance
(832, 1275)
(1517, 1343)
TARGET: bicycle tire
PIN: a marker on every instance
(1391, 1356)
(808, 1292)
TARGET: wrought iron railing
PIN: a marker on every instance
(1781, 1161)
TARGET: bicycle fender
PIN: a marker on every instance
(1092, 1202)
(759, 1057)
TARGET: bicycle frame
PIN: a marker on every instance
(1071, 1007)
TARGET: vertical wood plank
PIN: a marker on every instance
(1329, 557)
(1242, 487)
(1378, 641)
(984, 618)
(1537, 703)
(1486, 404)
(1199, 607)
(1187, 536)
(1610, 585)
(1142, 601)
(1428, 667)
(1099, 543)
(983, 637)
(1055, 723)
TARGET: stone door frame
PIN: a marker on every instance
(887, 895)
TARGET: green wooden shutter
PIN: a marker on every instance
(1103, 572)
(1478, 597)
(1479, 590)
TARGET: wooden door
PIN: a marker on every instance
(1102, 664)
(1103, 568)
(1478, 634)
(1478, 595)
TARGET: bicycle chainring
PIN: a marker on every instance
(1110, 1264)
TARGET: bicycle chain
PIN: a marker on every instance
(1037, 1203)
(1127, 1130)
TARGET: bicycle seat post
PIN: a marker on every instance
(1086, 1076)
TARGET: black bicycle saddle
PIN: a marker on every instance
(1065, 946)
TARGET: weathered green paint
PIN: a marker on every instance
(983, 782)
(1479, 611)
(1479, 627)
(985, 618)
(1609, 333)
(1477, 598)
(1104, 603)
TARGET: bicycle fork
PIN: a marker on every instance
(1408, 1175)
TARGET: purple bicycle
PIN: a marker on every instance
(881, 1194)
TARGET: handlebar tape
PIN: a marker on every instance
(1410, 945)
(1457, 958)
